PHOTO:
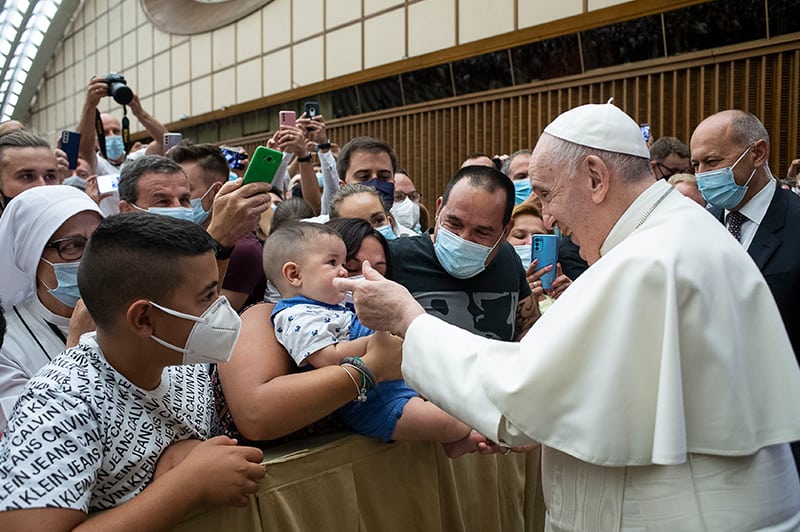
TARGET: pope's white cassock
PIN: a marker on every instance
(661, 384)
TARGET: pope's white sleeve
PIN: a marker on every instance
(441, 362)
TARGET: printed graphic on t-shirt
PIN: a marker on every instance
(83, 437)
(490, 314)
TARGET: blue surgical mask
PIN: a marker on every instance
(522, 189)
(524, 252)
(386, 231)
(67, 276)
(719, 188)
(179, 213)
(385, 190)
(199, 214)
(115, 148)
(459, 257)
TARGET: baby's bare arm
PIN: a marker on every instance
(332, 354)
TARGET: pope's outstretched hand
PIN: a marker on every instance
(381, 304)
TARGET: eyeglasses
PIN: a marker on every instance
(667, 172)
(401, 196)
(70, 248)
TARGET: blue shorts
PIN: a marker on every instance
(377, 416)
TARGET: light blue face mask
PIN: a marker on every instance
(719, 187)
(459, 257)
(386, 231)
(522, 189)
(199, 214)
(179, 213)
(66, 290)
(524, 252)
(115, 148)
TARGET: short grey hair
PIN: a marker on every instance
(507, 163)
(567, 156)
(147, 164)
(747, 129)
(350, 190)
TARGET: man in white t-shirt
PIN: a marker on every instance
(120, 423)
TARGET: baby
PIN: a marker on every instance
(302, 259)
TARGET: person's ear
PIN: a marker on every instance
(439, 205)
(599, 178)
(507, 229)
(209, 200)
(139, 318)
(291, 272)
(124, 206)
(761, 152)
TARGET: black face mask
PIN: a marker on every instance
(385, 190)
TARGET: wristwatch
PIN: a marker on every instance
(306, 159)
(221, 252)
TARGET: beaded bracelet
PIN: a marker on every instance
(368, 378)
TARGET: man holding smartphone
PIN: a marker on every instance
(159, 185)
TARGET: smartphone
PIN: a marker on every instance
(263, 165)
(287, 118)
(312, 109)
(106, 184)
(171, 139)
(70, 142)
(235, 158)
(645, 131)
(545, 248)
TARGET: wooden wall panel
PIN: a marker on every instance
(432, 139)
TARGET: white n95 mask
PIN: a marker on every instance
(213, 336)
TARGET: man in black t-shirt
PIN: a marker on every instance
(465, 272)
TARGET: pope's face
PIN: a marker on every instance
(566, 200)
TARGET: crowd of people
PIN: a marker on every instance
(188, 319)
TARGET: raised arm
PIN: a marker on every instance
(95, 91)
(154, 128)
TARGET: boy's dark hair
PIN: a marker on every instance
(147, 164)
(209, 157)
(289, 242)
(293, 208)
(134, 256)
(488, 179)
(353, 231)
(367, 144)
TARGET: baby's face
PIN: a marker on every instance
(320, 266)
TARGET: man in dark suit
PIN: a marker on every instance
(729, 152)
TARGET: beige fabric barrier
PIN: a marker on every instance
(352, 483)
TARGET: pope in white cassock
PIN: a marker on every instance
(661, 384)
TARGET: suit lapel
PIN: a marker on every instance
(767, 237)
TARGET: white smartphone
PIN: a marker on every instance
(106, 184)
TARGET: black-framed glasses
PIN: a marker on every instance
(69, 248)
(401, 196)
(667, 172)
